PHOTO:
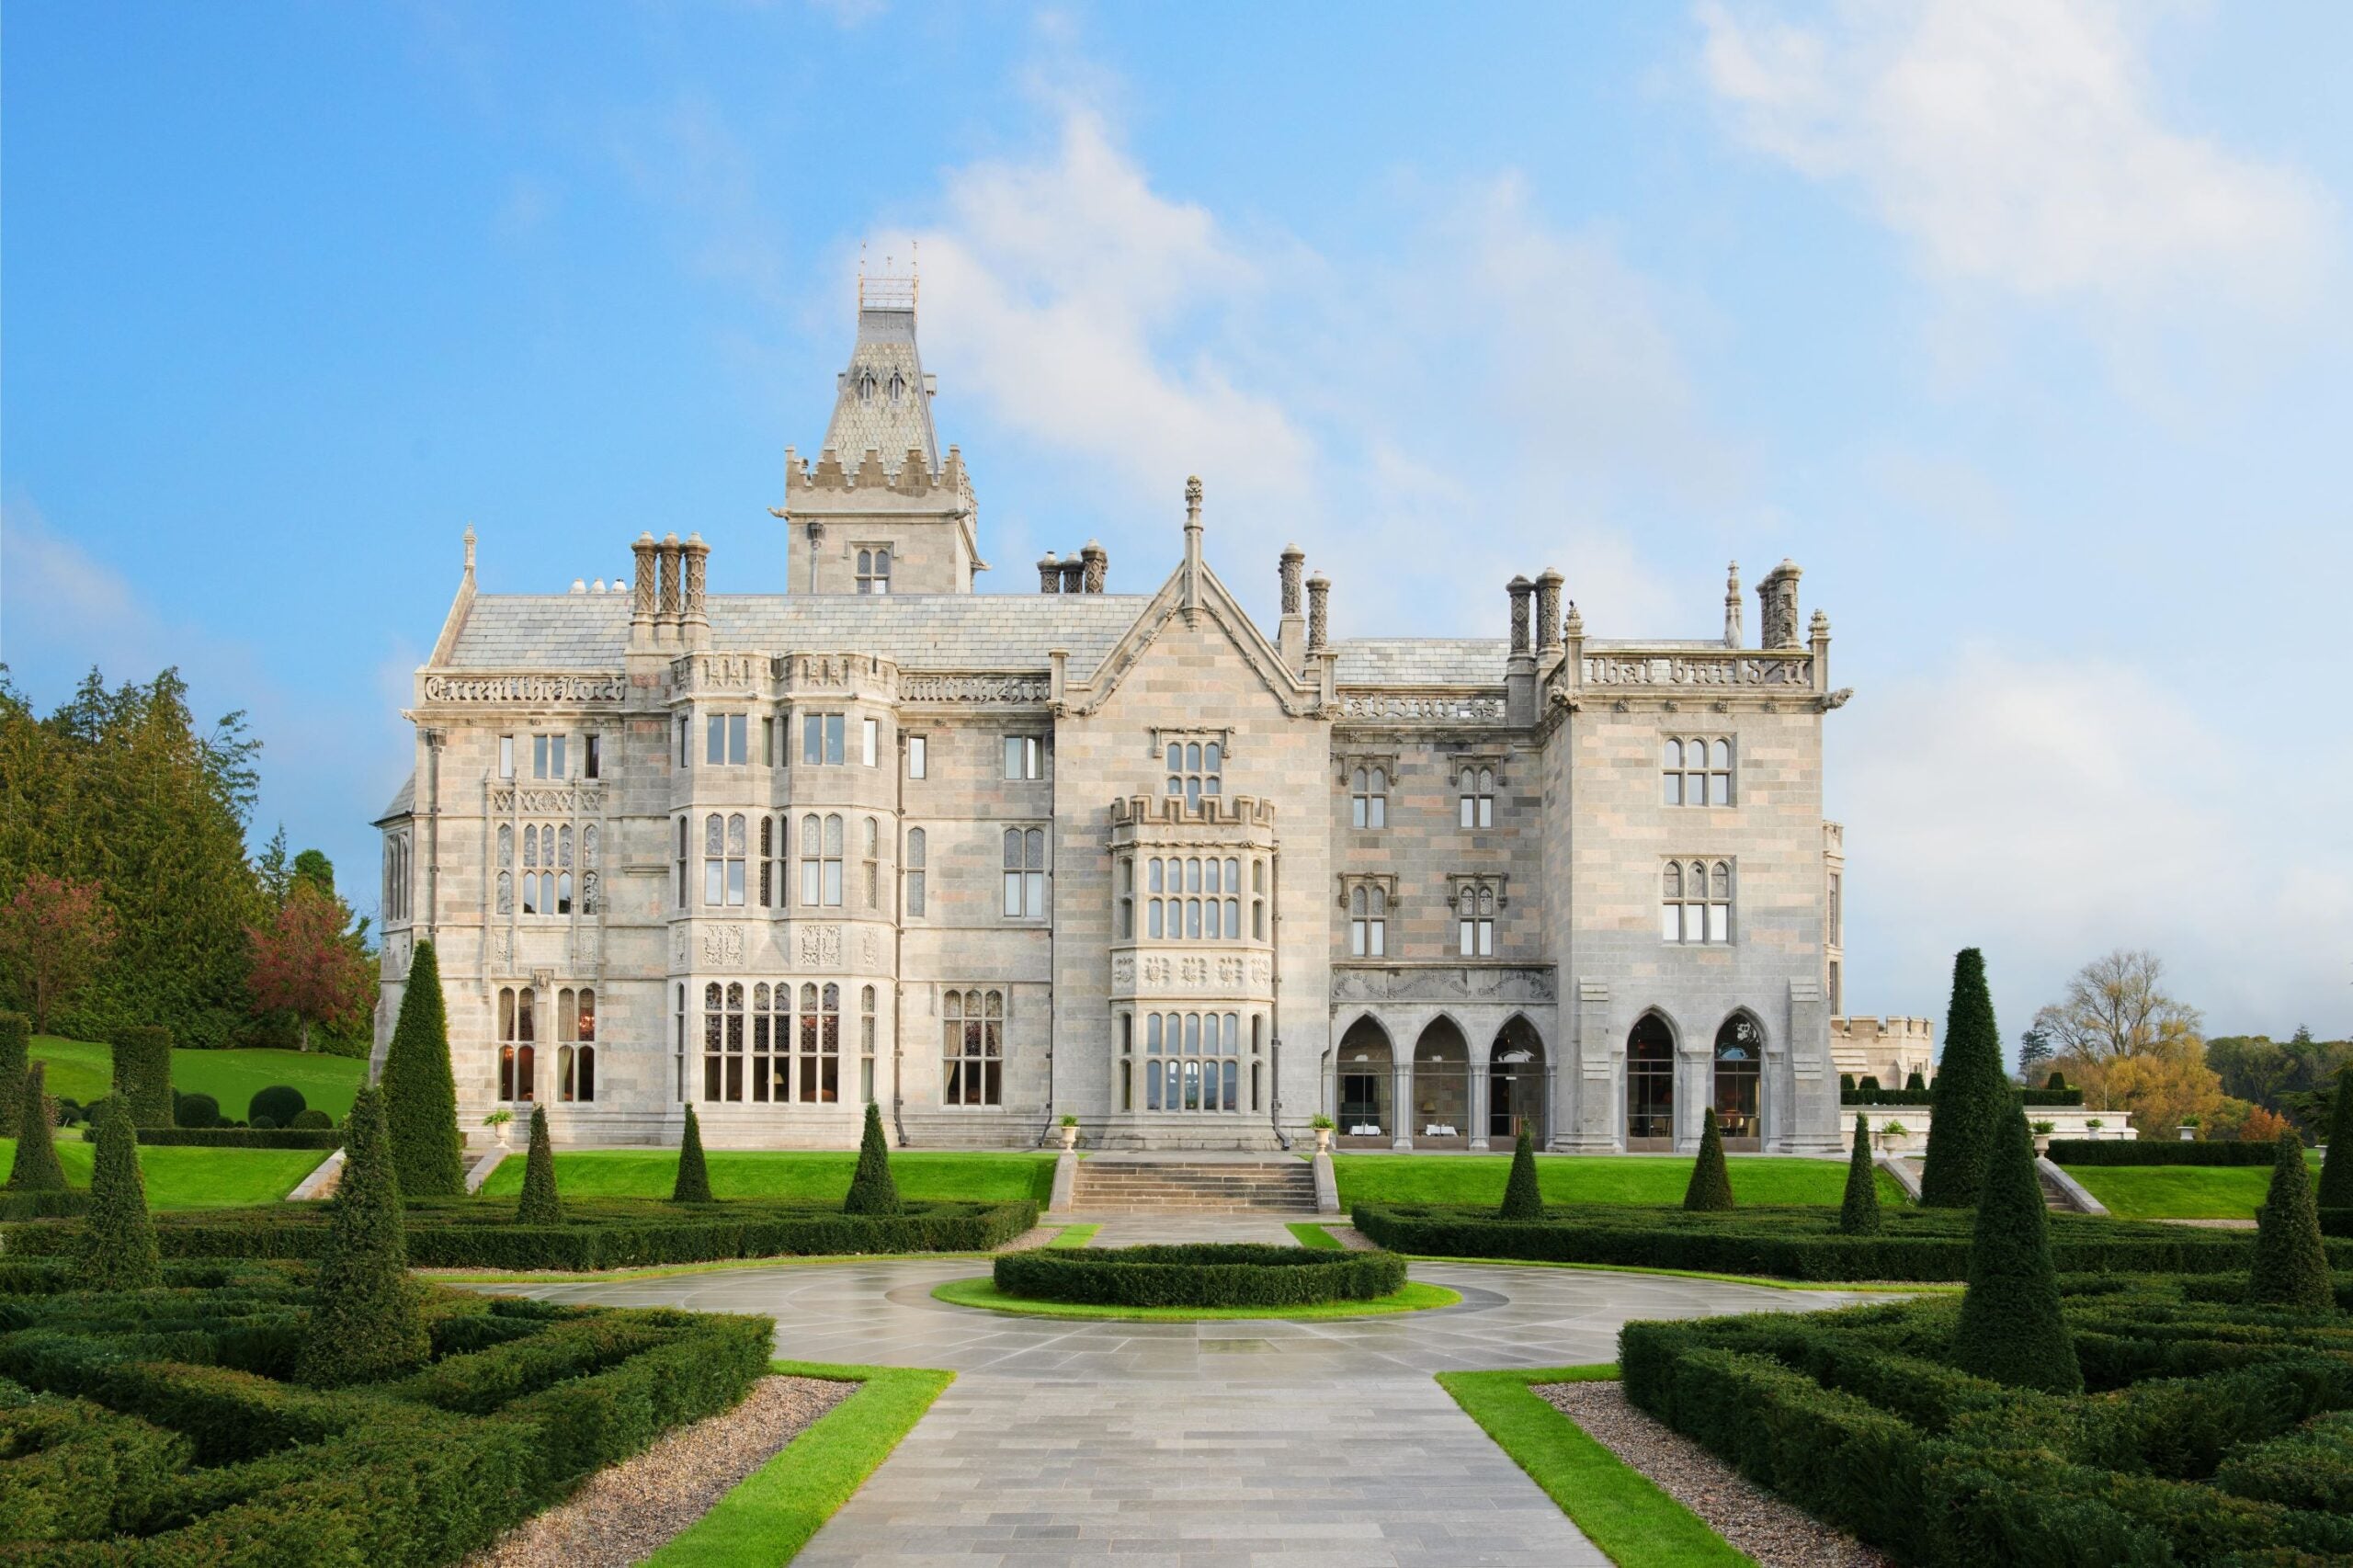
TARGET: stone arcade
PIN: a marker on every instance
(991, 858)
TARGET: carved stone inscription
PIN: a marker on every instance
(1701, 670)
(1386, 709)
(974, 689)
(527, 689)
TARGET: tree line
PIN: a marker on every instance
(127, 896)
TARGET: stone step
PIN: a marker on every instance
(1174, 1186)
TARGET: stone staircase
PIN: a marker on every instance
(1112, 1185)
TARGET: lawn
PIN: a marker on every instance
(2181, 1192)
(821, 1178)
(191, 1179)
(83, 1070)
(1478, 1180)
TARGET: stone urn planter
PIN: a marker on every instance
(2042, 1131)
(1069, 1133)
(501, 1124)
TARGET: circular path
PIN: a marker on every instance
(1232, 1444)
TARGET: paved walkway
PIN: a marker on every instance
(1258, 1444)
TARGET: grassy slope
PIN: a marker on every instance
(191, 1179)
(1588, 1179)
(2181, 1192)
(83, 1070)
(819, 1177)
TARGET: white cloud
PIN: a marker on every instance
(2017, 144)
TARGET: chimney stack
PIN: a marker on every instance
(1097, 561)
(1050, 573)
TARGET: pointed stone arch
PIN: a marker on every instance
(1736, 1079)
(1518, 1083)
(1364, 1086)
(1651, 1047)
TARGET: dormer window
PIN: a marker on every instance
(898, 386)
(866, 387)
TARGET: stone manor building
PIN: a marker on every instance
(991, 858)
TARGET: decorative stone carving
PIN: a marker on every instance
(668, 607)
(1156, 970)
(584, 800)
(870, 949)
(502, 949)
(722, 947)
(1294, 559)
(678, 948)
(1385, 709)
(975, 688)
(537, 690)
(1777, 599)
(1698, 669)
(585, 949)
(821, 946)
(1504, 984)
(1123, 971)
(1319, 596)
(1519, 588)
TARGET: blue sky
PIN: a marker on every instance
(2021, 325)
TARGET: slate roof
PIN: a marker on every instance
(1421, 661)
(404, 803)
(947, 631)
(886, 350)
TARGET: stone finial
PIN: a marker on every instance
(668, 608)
(1519, 588)
(1050, 573)
(1319, 595)
(1294, 559)
(645, 550)
(1192, 500)
(1098, 563)
(470, 553)
(1548, 611)
(1574, 628)
(1819, 628)
(1778, 603)
(1732, 605)
(696, 555)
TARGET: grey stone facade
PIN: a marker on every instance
(993, 858)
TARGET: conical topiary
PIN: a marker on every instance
(693, 1185)
(871, 1190)
(2336, 1167)
(2056, 1080)
(36, 1168)
(1711, 1188)
(1916, 1084)
(143, 1073)
(420, 1097)
(1971, 1098)
(117, 1250)
(2291, 1262)
(2011, 1328)
(15, 1038)
(365, 1325)
(540, 1205)
(1859, 1213)
(1523, 1198)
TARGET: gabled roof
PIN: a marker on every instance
(404, 803)
(884, 403)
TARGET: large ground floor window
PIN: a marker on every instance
(1193, 1061)
(973, 1029)
(771, 1044)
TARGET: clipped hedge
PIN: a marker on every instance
(2212, 1433)
(1868, 1097)
(62, 1203)
(319, 1138)
(1206, 1275)
(2151, 1151)
(610, 1233)
(1794, 1243)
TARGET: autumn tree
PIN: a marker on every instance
(304, 963)
(55, 936)
(2117, 1008)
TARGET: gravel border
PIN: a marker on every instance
(1751, 1519)
(625, 1513)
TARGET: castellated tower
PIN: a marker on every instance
(880, 512)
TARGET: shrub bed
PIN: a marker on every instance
(1235, 1275)
(613, 1234)
(323, 1139)
(1796, 1243)
(154, 1427)
(2208, 1434)
(1869, 1096)
(2150, 1152)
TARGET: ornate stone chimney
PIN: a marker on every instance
(1098, 563)
(1319, 595)
(1519, 588)
(1050, 573)
(1777, 603)
(694, 628)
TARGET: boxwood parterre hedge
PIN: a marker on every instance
(2211, 1432)
(593, 1234)
(323, 1139)
(1208, 1275)
(157, 1427)
(1795, 1243)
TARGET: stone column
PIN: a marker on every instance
(1050, 573)
(1477, 1130)
(1401, 1131)
(1319, 595)
(1519, 588)
(1548, 611)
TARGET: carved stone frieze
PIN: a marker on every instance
(1393, 708)
(1216, 973)
(547, 800)
(1502, 983)
(558, 687)
(1698, 669)
(821, 946)
(722, 947)
(984, 689)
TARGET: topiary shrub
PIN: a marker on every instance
(2056, 1080)
(1972, 1091)
(1845, 1083)
(420, 1097)
(36, 1168)
(2290, 1262)
(1859, 1211)
(143, 1073)
(279, 1102)
(1869, 1084)
(263, 1123)
(195, 1111)
(1523, 1198)
(312, 1117)
(2336, 1167)
(1916, 1084)
(1711, 1188)
(366, 1326)
(540, 1205)
(117, 1250)
(2010, 1329)
(16, 1040)
(1208, 1275)
(871, 1189)
(693, 1185)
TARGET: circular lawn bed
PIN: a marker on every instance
(1208, 1276)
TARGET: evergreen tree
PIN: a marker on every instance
(1711, 1188)
(1523, 1200)
(871, 1190)
(420, 1097)
(15, 1038)
(693, 1185)
(1972, 1093)
(143, 1074)
(366, 1326)
(540, 1205)
(2336, 1170)
(118, 1251)
(2011, 1329)
(36, 1168)
(2290, 1261)
(1859, 1213)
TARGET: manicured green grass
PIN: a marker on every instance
(191, 1179)
(821, 1178)
(771, 1514)
(1478, 1180)
(1313, 1235)
(1073, 1235)
(1638, 1525)
(2181, 1192)
(982, 1293)
(83, 1070)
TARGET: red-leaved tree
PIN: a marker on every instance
(304, 964)
(54, 939)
